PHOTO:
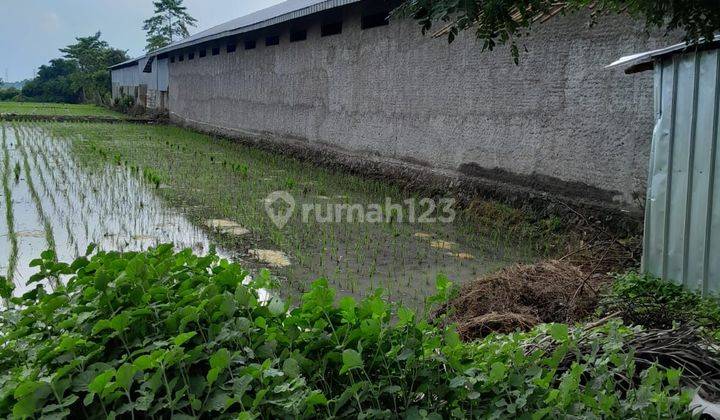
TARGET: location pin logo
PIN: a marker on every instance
(280, 215)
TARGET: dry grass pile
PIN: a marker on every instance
(565, 289)
(523, 296)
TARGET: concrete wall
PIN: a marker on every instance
(558, 122)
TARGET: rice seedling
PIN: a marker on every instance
(16, 171)
(35, 108)
(9, 214)
(205, 178)
(47, 226)
(72, 206)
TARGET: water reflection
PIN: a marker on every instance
(57, 203)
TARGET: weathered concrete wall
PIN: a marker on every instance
(558, 122)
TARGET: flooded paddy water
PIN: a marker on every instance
(51, 202)
(128, 187)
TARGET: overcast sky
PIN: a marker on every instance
(32, 31)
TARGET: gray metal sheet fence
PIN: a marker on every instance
(157, 79)
(682, 215)
(126, 76)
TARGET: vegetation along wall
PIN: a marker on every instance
(557, 122)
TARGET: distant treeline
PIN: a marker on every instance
(16, 85)
(81, 75)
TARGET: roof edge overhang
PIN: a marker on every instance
(270, 21)
(640, 62)
(265, 19)
(136, 61)
(129, 63)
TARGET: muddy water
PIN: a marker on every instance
(55, 204)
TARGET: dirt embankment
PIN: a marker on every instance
(76, 118)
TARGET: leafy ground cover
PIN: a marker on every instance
(642, 299)
(161, 334)
(56, 109)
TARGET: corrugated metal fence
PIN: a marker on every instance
(682, 217)
(126, 76)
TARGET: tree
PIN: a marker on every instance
(92, 53)
(504, 21)
(89, 52)
(170, 21)
(81, 75)
(93, 56)
(53, 83)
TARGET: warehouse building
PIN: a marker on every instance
(338, 77)
(145, 79)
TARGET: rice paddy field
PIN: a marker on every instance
(129, 186)
(55, 109)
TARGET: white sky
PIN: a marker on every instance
(32, 31)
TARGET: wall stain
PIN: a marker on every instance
(539, 182)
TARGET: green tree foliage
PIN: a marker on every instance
(504, 21)
(92, 53)
(9, 94)
(10, 91)
(93, 56)
(81, 76)
(170, 21)
(159, 334)
(54, 83)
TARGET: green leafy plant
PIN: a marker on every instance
(16, 172)
(653, 302)
(125, 103)
(162, 334)
(152, 176)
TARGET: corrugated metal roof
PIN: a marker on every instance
(128, 63)
(282, 12)
(645, 57)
